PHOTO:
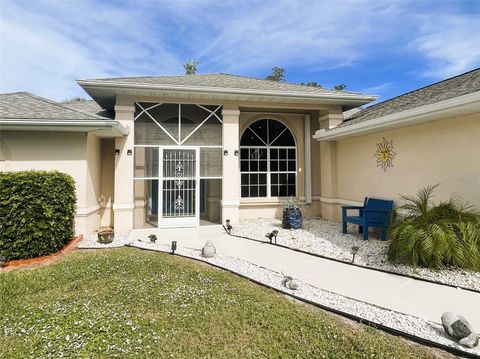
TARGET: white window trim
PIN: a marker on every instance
(268, 172)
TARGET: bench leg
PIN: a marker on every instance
(360, 229)
(344, 227)
(365, 233)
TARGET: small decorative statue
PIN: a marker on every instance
(459, 329)
(289, 282)
(208, 250)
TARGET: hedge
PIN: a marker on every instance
(37, 210)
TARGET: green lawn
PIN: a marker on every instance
(132, 303)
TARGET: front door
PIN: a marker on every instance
(180, 180)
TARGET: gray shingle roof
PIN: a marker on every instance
(90, 107)
(463, 84)
(24, 105)
(223, 81)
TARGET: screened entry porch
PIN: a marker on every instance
(178, 165)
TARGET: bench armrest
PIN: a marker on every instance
(345, 208)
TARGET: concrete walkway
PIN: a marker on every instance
(421, 299)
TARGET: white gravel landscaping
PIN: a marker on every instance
(91, 242)
(326, 238)
(402, 322)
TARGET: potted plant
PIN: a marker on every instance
(292, 213)
(105, 234)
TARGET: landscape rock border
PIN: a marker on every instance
(396, 323)
(325, 239)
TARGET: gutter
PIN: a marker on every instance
(427, 113)
(94, 124)
(226, 90)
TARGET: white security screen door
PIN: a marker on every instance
(180, 179)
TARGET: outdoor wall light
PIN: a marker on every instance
(174, 246)
(117, 151)
(271, 235)
(129, 152)
(225, 152)
(235, 153)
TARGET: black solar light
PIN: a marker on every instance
(2, 260)
(228, 226)
(271, 235)
(153, 238)
(174, 246)
(354, 251)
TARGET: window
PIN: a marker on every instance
(268, 163)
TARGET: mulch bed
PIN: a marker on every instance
(30, 262)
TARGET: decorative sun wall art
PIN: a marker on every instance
(385, 154)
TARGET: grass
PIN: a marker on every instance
(134, 304)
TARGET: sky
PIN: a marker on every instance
(377, 47)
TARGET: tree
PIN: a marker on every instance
(340, 87)
(312, 84)
(191, 67)
(74, 99)
(278, 74)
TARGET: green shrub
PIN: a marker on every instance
(434, 236)
(37, 210)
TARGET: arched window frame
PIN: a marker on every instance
(273, 189)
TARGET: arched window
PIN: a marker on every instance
(268, 163)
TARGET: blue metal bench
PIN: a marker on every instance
(374, 213)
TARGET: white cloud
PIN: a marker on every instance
(45, 47)
(450, 43)
(377, 89)
(319, 35)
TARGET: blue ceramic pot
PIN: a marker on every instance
(292, 219)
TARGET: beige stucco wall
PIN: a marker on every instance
(314, 209)
(70, 152)
(108, 180)
(446, 152)
(93, 180)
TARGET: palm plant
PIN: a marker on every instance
(434, 236)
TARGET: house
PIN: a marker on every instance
(173, 151)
